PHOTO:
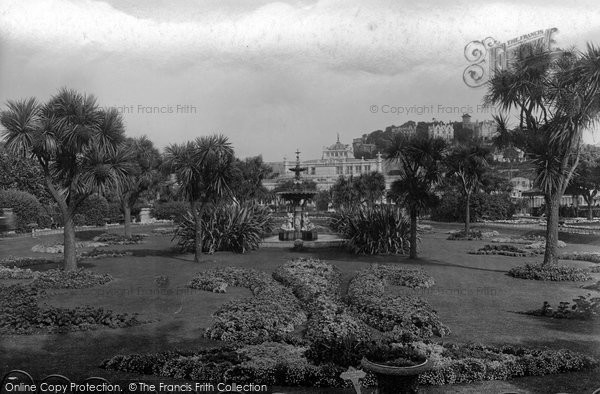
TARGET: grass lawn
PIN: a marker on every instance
(473, 296)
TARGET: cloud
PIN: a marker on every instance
(380, 37)
(272, 75)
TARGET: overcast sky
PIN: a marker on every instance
(273, 76)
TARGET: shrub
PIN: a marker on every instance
(232, 227)
(170, 210)
(25, 206)
(379, 229)
(60, 279)
(552, 272)
(483, 206)
(93, 211)
(114, 213)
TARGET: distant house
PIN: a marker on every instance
(520, 185)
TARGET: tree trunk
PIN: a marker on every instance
(413, 234)
(590, 211)
(468, 216)
(127, 218)
(199, 239)
(551, 253)
(69, 253)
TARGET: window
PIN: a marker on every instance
(357, 169)
(339, 170)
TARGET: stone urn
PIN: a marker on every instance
(395, 379)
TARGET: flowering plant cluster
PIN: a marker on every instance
(272, 313)
(402, 314)
(16, 273)
(506, 250)
(583, 308)
(284, 365)
(255, 319)
(552, 272)
(118, 239)
(20, 262)
(21, 314)
(99, 253)
(460, 363)
(217, 279)
(268, 363)
(309, 278)
(398, 276)
(591, 257)
(60, 279)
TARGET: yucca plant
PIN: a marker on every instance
(379, 229)
(233, 227)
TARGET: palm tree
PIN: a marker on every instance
(145, 161)
(467, 164)
(557, 97)
(76, 145)
(203, 169)
(420, 170)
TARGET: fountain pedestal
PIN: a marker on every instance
(297, 226)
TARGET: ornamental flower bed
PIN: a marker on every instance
(265, 352)
(98, 253)
(551, 273)
(398, 276)
(269, 363)
(16, 273)
(506, 250)
(255, 320)
(60, 279)
(460, 363)
(462, 236)
(21, 314)
(21, 262)
(118, 239)
(309, 278)
(404, 315)
(583, 308)
(582, 256)
(59, 248)
(273, 312)
(286, 365)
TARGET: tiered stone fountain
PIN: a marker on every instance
(297, 226)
